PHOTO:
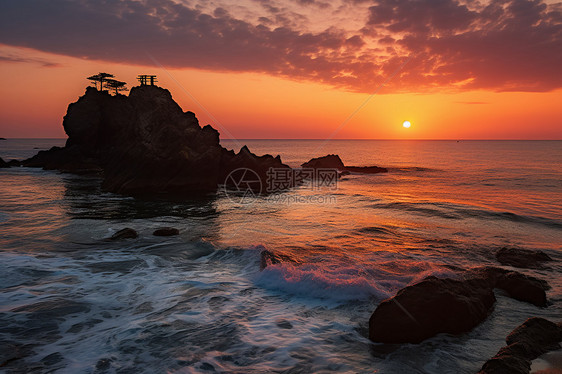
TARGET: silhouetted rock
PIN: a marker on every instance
(3, 139)
(166, 231)
(3, 164)
(335, 162)
(145, 143)
(325, 162)
(126, 233)
(518, 286)
(14, 163)
(522, 258)
(430, 307)
(268, 258)
(366, 169)
(528, 341)
(452, 306)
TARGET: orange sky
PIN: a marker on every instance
(244, 99)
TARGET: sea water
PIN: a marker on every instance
(71, 302)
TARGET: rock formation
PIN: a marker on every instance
(335, 162)
(3, 164)
(522, 258)
(145, 143)
(452, 306)
(527, 342)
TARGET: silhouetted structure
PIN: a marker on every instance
(100, 77)
(115, 85)
(145, 79)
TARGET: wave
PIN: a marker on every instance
(454, 211)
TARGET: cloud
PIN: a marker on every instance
(28, 60)
(501, 45)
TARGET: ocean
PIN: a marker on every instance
(72, 302)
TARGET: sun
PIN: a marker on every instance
(407, 124)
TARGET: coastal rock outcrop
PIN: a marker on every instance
(335, 162)
(453, 306)
(522, 258)
(144, 143)
(166, 231)
(527, 342)
(3, 164)
(430, 307)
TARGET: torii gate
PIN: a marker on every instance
(144, 79)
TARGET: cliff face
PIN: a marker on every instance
(145, 143)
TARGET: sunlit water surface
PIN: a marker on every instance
(74, 303)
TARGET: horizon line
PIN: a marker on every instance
(340, 139)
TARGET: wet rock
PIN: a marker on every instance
(366, 169)
(527, 342)
(284, 324)
(431, 307)
(166, 231)
(3, 164)
(268, 258)
(435, 305)
(126, 233)
(325, 162)
(522, 258)
(518, 286)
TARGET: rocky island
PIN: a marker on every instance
(144, 143)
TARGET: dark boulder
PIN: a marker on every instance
(431, 307)
(366, 169)
(126, 233)
(3, 164)
(166, 231)
(518, 286)
(528, 341)
(522, 258)
(268, 258)
(14, 163)
(325, 162)
(452, 306)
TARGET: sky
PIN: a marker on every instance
(294, 69)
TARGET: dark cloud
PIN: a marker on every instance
(27, 60)
(501, 45)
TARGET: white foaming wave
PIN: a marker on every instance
(337, 283)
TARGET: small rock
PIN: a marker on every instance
(528, 341)
(284, 324)
(522, 258)
(126, 233)
(3, 164)
(325, 162)
(166, 231)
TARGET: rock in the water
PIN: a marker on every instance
(3, 139)
(14, 163)
(126, 233)
(325, 162)
(431, 307)
(145, 144)
(518, 286)
(268, 258)
(522, 258)
(435, 305)
(3, 164)
(366, 169)
(533, 338)
(166, 231)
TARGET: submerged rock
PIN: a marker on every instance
(3, 164)
(126, 233)
(522, 258)
(527, 342)
(268, 258)
(430, 307)
(166, 231)
(435, 306)
(145, 143)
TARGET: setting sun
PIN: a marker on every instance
(407, 124)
